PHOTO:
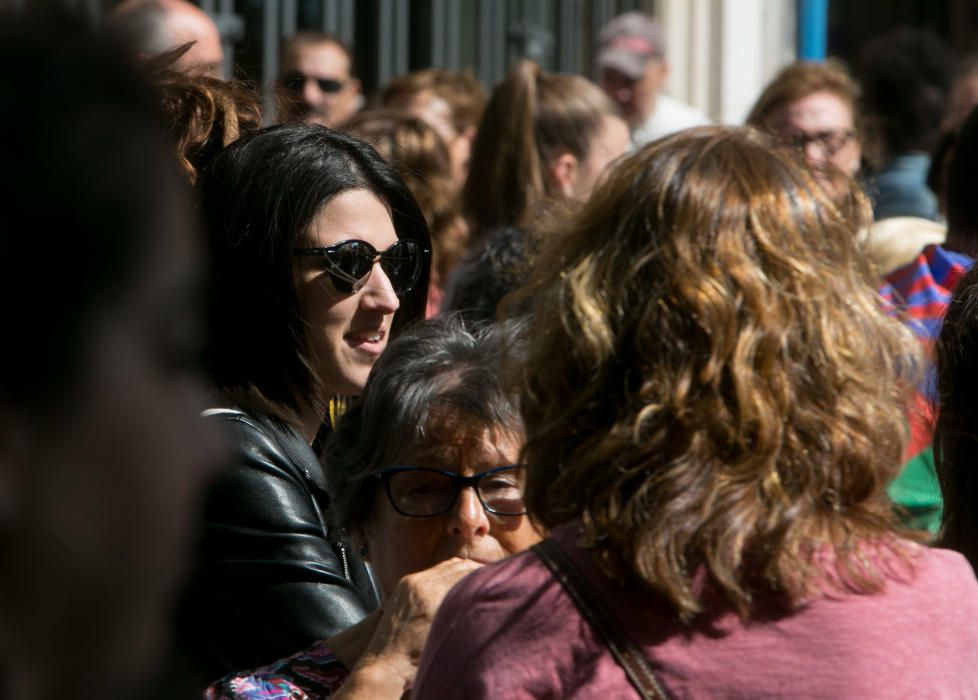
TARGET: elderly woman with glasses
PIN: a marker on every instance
(425, 483)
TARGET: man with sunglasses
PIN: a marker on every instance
(316, 81)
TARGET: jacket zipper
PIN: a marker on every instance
(346, 566)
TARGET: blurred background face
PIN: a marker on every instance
(437, 113)
(399, 545)
(821, 125)
(319, 85)
(110, 482)
(635, 97)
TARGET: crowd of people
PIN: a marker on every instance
(552, 391)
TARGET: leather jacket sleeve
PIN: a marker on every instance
(269, 581)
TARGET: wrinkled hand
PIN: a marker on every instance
(392, 655)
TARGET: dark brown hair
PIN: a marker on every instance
(204, 115)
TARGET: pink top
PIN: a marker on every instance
(510, 631)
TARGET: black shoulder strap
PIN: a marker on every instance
(627, 655)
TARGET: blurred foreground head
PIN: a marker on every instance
(102, 453)
(710, 379)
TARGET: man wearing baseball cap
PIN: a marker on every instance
(633, 73)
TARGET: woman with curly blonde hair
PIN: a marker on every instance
(713, 404)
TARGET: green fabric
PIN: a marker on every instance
(918, 494)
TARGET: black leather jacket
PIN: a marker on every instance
(269, 581)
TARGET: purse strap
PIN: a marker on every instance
(632, 661)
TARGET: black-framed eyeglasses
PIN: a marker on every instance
(421, 492)
(349, 264)
(831, 142)
(295, 82)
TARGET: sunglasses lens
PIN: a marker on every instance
(329, 85)
(402, 265)
(349, 262)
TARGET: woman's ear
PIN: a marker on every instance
(563, 173)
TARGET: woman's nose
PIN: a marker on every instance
(378, 292)
(468, 520)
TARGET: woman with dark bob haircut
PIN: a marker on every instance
(423, 479)
(713, 400)
(320, 256)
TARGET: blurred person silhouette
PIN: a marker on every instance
(204, 114)
(499, 268)
(964, 93)
(321, 257)
(316, 81)
(432, 495)
(544, 140)
(905, 76)
(450, 101)
(712, 398)
(153, 27)
(103, 454)
(634, 71)
(956, 434)
(419, 156)
(921, 290)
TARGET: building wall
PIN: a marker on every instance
(723, 52)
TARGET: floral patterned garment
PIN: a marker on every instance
(312, 674)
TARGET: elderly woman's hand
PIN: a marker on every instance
(390, 661)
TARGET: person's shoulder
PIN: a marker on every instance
(268, 446)
(506, 580)
(950, 570)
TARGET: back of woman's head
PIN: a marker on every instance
(260, 195)
(710, 381)
(532, 117)
(956, 434)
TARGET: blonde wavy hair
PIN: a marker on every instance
(711, 385)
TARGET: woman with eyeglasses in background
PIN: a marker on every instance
(320, 255)
(432, 495)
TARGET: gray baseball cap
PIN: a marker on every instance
(629, 42)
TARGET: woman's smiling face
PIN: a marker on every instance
(347, 331)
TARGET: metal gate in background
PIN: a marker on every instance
(392, 37)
